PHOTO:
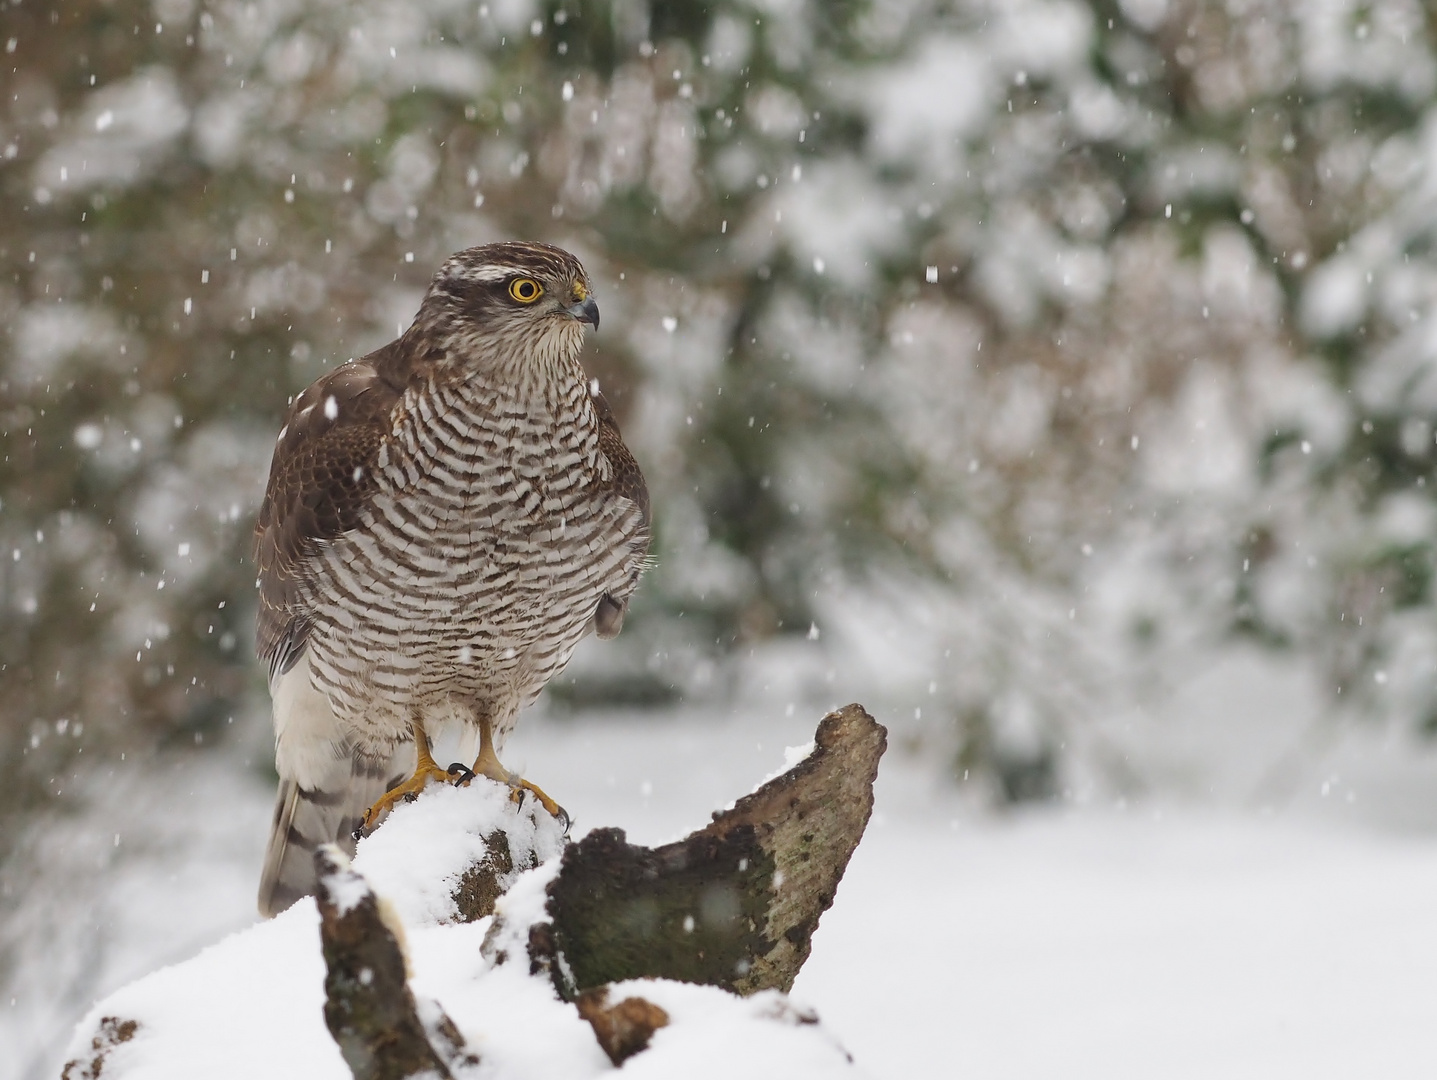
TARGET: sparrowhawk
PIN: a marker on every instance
(445, 519)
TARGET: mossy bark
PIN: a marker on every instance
(693, 911)
(734, 904)
(485, 881)
(368, 1006)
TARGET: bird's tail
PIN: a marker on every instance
(304, 819)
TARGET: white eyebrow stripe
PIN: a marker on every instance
(485, 273)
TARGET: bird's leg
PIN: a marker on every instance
(487, 764)
(425, 770)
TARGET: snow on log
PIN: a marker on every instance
(363, 981)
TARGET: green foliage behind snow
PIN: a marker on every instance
(1023, 349)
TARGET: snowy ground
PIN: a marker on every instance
(1172, 940)
(1099, 945)
(1084, 942)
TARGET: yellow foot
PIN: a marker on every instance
(424, 772)
(492, 770)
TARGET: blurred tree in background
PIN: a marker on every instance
(1017, 352)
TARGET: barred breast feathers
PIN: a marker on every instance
(432, 482)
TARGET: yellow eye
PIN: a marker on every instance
(525, 290)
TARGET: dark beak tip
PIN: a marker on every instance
(585, 310)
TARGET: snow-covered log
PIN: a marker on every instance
(364, 981)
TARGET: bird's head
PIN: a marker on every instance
(510, 303)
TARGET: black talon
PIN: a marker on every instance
(410, 796)
(462, 771)
(358, 833)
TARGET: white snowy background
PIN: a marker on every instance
(1053, 377)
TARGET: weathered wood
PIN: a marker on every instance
(623, 1029)
(368, 1006)
(732, 905)
(484, 882)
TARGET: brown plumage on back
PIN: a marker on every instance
(445, 519)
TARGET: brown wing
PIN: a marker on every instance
(628, 482)
(320, 481)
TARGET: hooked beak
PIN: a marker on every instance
(586, 311)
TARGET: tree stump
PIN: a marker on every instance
(732, 905)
